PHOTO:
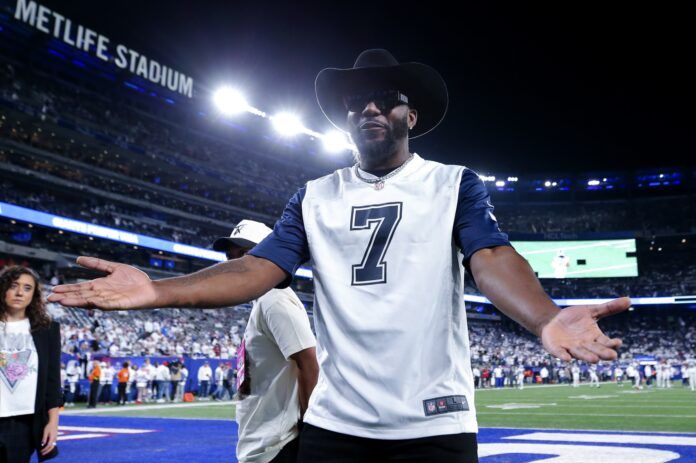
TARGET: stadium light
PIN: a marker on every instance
(230, 101)
(512, 179)
(547, 183)
(500, 183)
(287, 124)
(335, 141)
(487, 178)
(593, 182)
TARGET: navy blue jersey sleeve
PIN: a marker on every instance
(287, 245)
(475, 226)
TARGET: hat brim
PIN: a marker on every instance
(423, 85)
(221, 244)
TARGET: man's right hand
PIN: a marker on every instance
(125, 287)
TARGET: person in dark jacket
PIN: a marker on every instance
(30, 388)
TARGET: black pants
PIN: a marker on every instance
(289, 453)
(16, 443)
(93, 391)
(105, 393)
(122, 393)
(318, 445)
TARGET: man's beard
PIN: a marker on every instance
(378, 151)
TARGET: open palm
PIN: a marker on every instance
(125, 287)
(574, 332)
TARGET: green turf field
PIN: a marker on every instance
(609, 407)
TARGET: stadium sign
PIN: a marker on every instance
(89, 41)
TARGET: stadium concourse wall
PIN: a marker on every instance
(192, 365)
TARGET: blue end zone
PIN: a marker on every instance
(109, 439)
(184, 440)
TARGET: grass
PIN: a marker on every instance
(608, 408)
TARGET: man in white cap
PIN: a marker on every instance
(276, 362)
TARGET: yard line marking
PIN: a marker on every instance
(647, 439)
(109, 430)
(633, 431)
(144, 407)
(81, 436)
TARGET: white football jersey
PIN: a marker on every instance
(392, 339)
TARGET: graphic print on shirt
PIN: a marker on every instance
(15, 353)
(385, 218)
(243, 380)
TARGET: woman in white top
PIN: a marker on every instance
(30, 387)
(141, 378)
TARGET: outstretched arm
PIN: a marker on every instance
(125, 287)
(509, 282)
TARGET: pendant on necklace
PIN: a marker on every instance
(379, 185)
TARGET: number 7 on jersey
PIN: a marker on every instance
(383, 220)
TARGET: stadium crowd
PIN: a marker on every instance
(162, 147)
(500, 351)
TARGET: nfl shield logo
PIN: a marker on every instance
(431, 407)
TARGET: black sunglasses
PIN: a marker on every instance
(385, 100)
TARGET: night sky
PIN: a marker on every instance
(533, 88)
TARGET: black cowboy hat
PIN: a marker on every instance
(377, 69)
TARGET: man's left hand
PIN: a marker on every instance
(574, 332)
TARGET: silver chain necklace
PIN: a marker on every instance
(378, 182)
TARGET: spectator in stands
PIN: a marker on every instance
(575, 370)
(131, 388)
(499, 377)
(219, 380)
(141, 381)
(149, 372)
(175, 378)
(163, 378)
(230, 380)
(691, 375)
(155, 381)
(30, 358)
(83, 357)
(94, 384)
(73, 373)
(106, 382)
(205, 374)
(181, 390)
(123, 378)
(477, 376)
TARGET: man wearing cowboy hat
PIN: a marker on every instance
(389, 240)
(276, 364)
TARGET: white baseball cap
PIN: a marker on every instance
(247, 234)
